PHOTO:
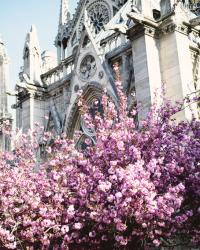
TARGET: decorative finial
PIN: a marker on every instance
(64, 12)
(1, 40)
(33, 28)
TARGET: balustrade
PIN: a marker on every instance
(58, 73)
(194, 7)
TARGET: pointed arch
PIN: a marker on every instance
(64, 42)
(86, 41)
(92, 91)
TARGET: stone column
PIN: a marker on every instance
(31, 110)
(62, 52)
(125, 71)
(146, 8)
(176, 66)
(59, 54)
(145, 47)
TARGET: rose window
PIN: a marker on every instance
(99, 15)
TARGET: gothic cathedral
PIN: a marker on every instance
(153, 41)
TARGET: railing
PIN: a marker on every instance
(111, 43)
(195, 7)
(58, 73)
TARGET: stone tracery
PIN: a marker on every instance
(87, 67)
(99, 13)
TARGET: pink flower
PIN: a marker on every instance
(131, 184)
(156, 242)
(121, 227)
(65, 229)
(93, 215)
(144, 225)
(111, 198)
(113, 163)
(92, 234)
(123, 242)
(46, 223)
(45, 241)
(71, 211)
(78, 226)
(120, 145)
(118, 195)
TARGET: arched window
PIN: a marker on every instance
(92, 97)
(85, 41)
(26, 61)
(64, 46)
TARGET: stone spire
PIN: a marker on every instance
(32, 58)
(64, 12)
(63, 30)
(4, 74)
(4, 79)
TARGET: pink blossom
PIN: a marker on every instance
(120, 145)
(121, 227)
(156, 243)
(135, 184)
(78, 226)
(118, 195)
(65, 229)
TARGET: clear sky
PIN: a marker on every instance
(16, 17)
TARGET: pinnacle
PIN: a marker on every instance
(33, 28)
(1, 40)
(64, 11)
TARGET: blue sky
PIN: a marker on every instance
(16, 17)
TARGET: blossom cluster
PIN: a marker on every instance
(135, 188)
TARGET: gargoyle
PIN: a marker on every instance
(120, 27)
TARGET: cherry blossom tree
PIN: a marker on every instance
(137, 187)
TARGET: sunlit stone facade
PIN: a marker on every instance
(153, 41)
(5, 116)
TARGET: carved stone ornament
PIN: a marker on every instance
(99, 15)
(169, 28)
(87, 67)
(76, 88)
(101, 74)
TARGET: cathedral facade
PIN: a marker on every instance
(5, 116)
(153, 42)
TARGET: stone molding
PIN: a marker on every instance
(139, 30)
